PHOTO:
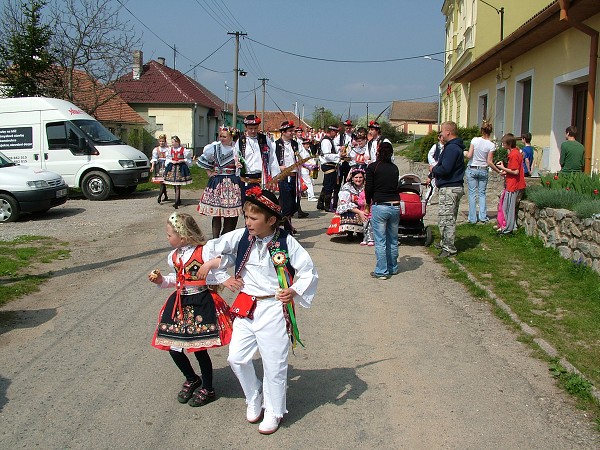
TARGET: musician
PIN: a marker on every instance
(286, 151)
(329, 160)
(375, 140)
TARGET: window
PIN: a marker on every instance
(61, 136)
(523, 96)
(482, 108)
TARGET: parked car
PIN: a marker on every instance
(25, 189)
(56, 135)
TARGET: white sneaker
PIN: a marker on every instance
(270, 424)
(313, 199)
(254, 411)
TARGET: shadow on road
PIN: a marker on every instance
(10, 320)
(4, 383)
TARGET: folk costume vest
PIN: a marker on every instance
(264, 154)
(280, 150)
(187, 280)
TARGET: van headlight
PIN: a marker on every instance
(127, 163)
(38, 184)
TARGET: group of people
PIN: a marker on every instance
(271, 272)
(170, 166)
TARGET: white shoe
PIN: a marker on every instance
(254, 411)
(313, 199)
(270, 424)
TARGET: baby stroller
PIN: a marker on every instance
(412, 210)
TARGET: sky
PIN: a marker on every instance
(288, 43)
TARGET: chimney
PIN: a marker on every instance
(138, 63)
(161, 60)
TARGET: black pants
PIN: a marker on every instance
(287, 196)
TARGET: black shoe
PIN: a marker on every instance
(176, 204)
(302, 214)
(187, 390)
(158, 199)
(201, 397)
(165, 198)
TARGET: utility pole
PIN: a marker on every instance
(236, 74)
(174, 55)
(264, 80)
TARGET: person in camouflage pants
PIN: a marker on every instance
(449, 175)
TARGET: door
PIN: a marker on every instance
(579, 107)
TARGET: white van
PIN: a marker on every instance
(24, 189)
(58, 136)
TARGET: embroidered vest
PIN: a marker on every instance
(280, 150)
(177, 154)
(264, 152)
(187, 273)
(245, 247)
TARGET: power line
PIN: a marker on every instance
(355, 61)
(215, 17)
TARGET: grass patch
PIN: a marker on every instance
(17, 259)
(557, 297)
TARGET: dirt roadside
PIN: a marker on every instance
(410, 362)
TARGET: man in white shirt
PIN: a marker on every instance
(375, 140)
(286, 151)
(256, 156)
(329, 159)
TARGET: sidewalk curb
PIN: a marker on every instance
(545, 346)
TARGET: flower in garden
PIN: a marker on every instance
(556, 177)
(595, 191)
(547, 183)
(568, 188)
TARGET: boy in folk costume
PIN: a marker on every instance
(272, 271)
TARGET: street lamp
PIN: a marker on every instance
(439, 114)
(226, 95)
(501, 12)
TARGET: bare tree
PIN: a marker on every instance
(92, 45)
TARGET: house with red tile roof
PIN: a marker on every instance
(417, 118)
(171, 102)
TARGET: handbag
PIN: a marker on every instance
(243, 305)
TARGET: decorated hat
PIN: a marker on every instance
(299, 129)
(375, 125)
(287, 125)
(354, 171)
(265, 200)
(333, 128)
(252, 120)
(348, 123)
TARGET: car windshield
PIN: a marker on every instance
(96, 132)
(5, 161)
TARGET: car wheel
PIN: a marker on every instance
(428, 236)
(9, 208)
(96, 186)
(124, 190)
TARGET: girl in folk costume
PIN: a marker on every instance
(352, 214)
(159, 157)
(359, 154)
(177, 170)
(272, 271)
(222, 198)
(194, 318)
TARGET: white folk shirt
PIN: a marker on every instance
(259, 276)
(347, 141)
(328, 155)
(288, 154)
(253, 156)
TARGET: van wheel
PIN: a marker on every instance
(96, 186)
(9, 208)
(124, 190)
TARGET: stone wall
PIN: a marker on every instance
(575, 239)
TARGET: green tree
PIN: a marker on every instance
(25, 59)
(323, 118)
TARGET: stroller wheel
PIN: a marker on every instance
(428, 236)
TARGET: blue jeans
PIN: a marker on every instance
(477, 180)
(384, 220)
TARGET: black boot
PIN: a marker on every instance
(321, 201)
(327, 203)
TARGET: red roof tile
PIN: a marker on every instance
(161, 84)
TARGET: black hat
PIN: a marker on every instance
(348, 123)
(375, 125)
(333, 128)
(265, 200)
(252, 120)
(287, 125)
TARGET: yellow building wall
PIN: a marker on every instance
(557, 59)
(175, 121)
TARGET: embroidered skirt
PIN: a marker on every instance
(342, 224)
(222, 197)
(158, 175)
(205, 323)
(177, 174)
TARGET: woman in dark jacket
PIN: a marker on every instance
(381, 192)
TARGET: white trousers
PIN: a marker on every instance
(310, 190)
(266, 333)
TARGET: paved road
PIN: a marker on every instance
(410, 362)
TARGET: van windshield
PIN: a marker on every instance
(5, 161)
(96, 132)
